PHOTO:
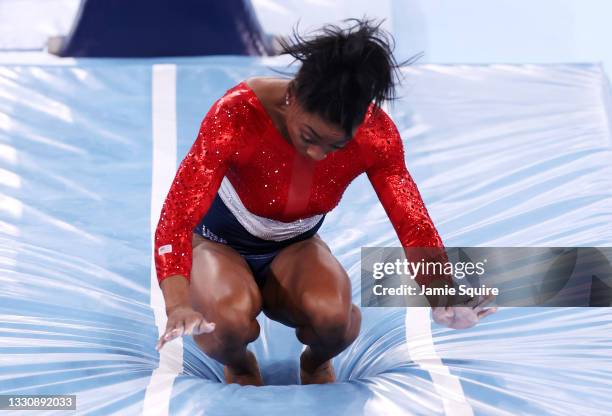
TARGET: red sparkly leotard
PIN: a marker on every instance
(238, 139)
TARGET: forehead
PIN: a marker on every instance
(321, 127)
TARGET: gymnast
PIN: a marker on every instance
(237, 233)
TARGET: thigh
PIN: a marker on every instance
(303, 278)
(222, 284)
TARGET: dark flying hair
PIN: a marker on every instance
(344, 70)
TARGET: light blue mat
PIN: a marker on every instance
(503, 155)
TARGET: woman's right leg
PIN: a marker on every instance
(224, 291)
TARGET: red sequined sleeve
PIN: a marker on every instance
(219, 143)
(396, 190)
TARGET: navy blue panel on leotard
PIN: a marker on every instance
(220, 225)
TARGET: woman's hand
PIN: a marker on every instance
(183, 320)
(461, 317)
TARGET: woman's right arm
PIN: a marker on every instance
(220, 139)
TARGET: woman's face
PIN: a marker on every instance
(312, 136)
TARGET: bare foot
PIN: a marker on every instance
(322, 374)
(252, 377)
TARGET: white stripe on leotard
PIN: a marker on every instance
(264, 228)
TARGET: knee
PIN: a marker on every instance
(229, 334)
(237, 327)
(235, 324)
(328, 316)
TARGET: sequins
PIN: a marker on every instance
(238, 139)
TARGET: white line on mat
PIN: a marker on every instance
(159, 390)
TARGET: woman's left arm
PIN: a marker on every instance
(395, 188)
(402, 201)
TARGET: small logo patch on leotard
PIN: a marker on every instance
(212, 236)
(165, 249)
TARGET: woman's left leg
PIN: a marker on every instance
(308, 289)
